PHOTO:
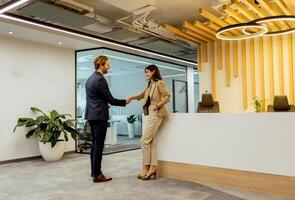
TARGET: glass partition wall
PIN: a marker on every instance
(196, 89)
(125, 78)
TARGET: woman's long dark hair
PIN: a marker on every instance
(157, 75)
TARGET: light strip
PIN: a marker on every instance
(142, 62)
(168, 76)
(11, 6)
(292, 30)
(94, 39)
(243, 26)
(275, 19)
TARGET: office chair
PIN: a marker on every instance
(208, 105)
(85, 135)
(280, 104)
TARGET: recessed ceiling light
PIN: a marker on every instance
(60, 43)
(10, 32)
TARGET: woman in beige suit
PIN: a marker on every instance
(156, 95)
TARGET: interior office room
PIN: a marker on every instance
(229, 68)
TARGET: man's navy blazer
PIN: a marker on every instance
(98, 98)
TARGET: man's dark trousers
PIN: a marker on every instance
(98, 132)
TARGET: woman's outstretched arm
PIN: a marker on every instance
(139, 96)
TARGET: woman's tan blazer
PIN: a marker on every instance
(160, 96)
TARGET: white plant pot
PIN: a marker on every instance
(131, 130)
(52, 154)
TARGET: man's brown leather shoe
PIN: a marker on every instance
(101, 178)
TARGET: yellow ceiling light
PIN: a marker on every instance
(221, 32)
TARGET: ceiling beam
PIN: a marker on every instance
(268, 8)
(242, 9)
(205, 13)
(228, 10)
(279, 12)
(260, 12)
(199, 31)
(283, 7)
(183, 35)
(230, 20)
(213, 26)
(291, 5)
(203, 27)
(195, 35)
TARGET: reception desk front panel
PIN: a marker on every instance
(256, 142)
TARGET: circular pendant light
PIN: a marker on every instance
(280, 18)
(243, 26)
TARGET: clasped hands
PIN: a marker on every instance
(129, 100)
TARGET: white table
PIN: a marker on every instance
(111, 137)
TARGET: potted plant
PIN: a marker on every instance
(258, 103)
(131, 129)
(49, 129)
(139, 118)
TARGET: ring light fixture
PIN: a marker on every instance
(243, 26)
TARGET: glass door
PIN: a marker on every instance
(180, 97)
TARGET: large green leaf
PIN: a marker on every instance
(61, 128)
(74, 132)
(23, 122)
(41, 119)
(66, 135)
(43, 126)
(64, 115)
(53, 143)
(30, 133)
(46, 137)
(31, 123)
(54, 115)
(55, 135)
(69, 122)
(35, 109)
(74, 135)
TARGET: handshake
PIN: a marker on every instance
(129, 100)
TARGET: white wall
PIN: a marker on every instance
(253, 142)
(32, 74)
(231, 98)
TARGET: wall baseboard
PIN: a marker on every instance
(253, 181)
(27, 158)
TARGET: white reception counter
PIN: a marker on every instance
(245, 143)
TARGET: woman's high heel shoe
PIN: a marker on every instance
(146, 178)
(142, 174)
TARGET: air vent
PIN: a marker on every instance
(4, 2)
(55, 14)
(129, 5)
(123, 35)
(219, 6)
(163, 46)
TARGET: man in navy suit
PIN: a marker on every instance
(98, 98)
